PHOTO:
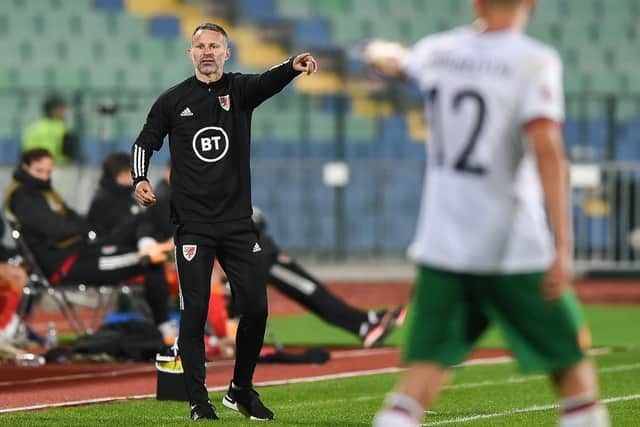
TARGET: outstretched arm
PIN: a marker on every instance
(257, 88)
(386, 57)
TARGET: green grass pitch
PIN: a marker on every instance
(485, 395)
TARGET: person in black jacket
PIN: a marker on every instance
(208, 120)
(64, 244)
(113, 206)
(114, 212)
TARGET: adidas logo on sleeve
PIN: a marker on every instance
(186, 112)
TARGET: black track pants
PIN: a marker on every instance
(295, 282)
(237, 247)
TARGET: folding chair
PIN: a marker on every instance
(39, 283)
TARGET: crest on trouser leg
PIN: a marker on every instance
(189, 251)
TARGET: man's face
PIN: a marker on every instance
(59, 112)
(124, 179)
(209, 52)
(40, 169)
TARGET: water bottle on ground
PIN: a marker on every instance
(52, 336)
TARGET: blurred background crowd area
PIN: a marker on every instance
(110, 59)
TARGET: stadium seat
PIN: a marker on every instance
(165, 26)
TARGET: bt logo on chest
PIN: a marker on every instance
(210, 144)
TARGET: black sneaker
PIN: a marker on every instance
(203, 411)
(385, 326)
(247, 402)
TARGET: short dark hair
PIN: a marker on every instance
(34, 155)
(114, 164)
(211, 27)
(52, 102)
(505, 2)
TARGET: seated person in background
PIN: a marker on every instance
(114, 212)
(290, 278)
(113, 206)
(64, 244)
(12, 281)
(51, 133)
(294, 281)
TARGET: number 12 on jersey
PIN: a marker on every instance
(464, 160)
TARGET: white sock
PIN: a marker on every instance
(583, 412)
(10, 330)
(168, 328)
(399, 410)
(373, 317)
(393, 418)
(364, 329)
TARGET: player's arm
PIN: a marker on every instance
(151, 138)
(545, 137)
(387, 57)
(260, 87)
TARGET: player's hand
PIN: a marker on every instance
(558, 278)
(385, 57)
(306, 63)
(144, 193)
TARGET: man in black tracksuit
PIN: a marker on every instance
(208, 120)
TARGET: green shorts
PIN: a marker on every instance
(452, 310)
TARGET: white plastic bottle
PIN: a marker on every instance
(52, 336)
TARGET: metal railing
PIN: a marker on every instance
(606, 216)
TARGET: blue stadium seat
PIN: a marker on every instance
(311, 33)
(110, 5)
(165, 26)
(9, 150)
(256, 9)
(628, 140)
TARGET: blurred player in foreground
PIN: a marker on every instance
(483, 246)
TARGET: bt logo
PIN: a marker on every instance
(210, 144)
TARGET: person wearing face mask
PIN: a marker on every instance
(65, 245)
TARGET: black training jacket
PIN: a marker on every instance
(51, 228)
(115, 213)
(209, 129)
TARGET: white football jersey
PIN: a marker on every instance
(482, 206)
